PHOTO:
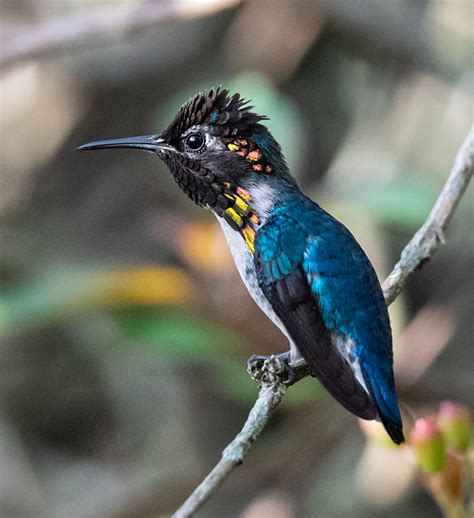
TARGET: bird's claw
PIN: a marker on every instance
(271, 369)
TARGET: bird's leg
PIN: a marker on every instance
(280, 365)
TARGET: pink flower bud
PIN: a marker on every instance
(427, 442)
(455, 423)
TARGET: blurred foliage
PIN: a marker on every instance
(124, 326)
(399, 202)
(178, 338)
(440, 446)
(58, 294)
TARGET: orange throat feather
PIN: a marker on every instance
(241, 216)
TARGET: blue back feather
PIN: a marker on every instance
(343, 282)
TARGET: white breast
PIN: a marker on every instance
(263, 200)
(244, 262)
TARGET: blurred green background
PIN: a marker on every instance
(124, 326)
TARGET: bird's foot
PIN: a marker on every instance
(275, 368)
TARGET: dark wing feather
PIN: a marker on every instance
(284, 283)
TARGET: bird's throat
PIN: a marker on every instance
(241, 216)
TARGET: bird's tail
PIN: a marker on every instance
(385, 399)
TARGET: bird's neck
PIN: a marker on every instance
(253, 205)
(242, 216)
(261, 192)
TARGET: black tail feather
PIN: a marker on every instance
(394, 429)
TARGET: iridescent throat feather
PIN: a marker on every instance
(240, 215)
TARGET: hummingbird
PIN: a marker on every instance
(303, 268)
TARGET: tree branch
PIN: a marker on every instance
(91, 27)
(271, 393)
(425, 242)
(272, 375)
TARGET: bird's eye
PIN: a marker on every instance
(195, 142)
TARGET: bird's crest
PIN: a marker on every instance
(226, 115)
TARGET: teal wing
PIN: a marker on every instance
(280, 248)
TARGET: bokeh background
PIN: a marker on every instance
(124, 326)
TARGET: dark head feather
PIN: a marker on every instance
(225, 115)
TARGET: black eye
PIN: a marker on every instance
(195, 142)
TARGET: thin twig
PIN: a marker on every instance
(90, 27)
(271, 393)
(421, 247)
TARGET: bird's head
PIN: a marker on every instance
(218, 152)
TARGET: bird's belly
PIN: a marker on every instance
(244, 262)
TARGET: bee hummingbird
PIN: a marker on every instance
(302, 267)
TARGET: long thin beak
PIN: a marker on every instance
(146, 142)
